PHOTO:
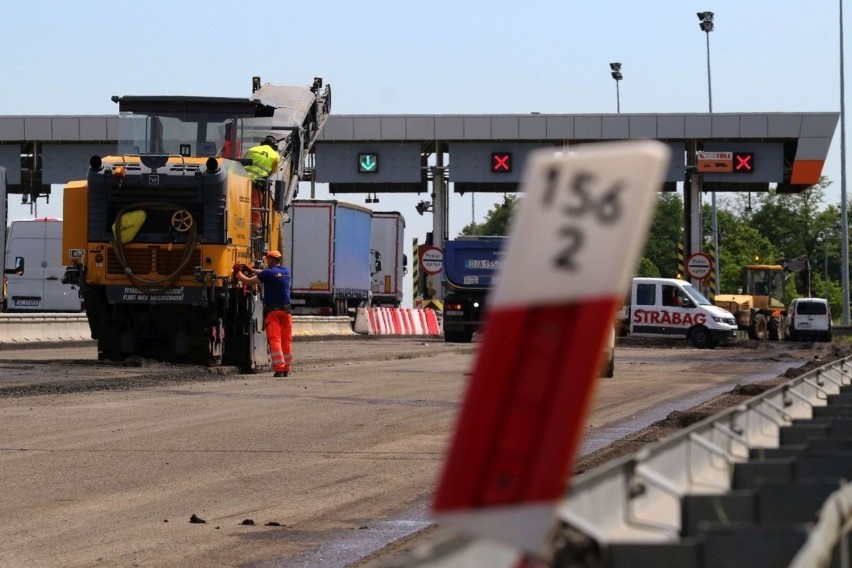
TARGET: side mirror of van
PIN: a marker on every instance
(71, 276)
(687, 303)
(19, 267)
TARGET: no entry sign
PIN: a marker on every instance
(699, 265)
(432, 259)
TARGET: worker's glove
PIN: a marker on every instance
(237, 268)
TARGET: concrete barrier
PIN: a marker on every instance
(312, 326)
(396, 321)
(21, 329)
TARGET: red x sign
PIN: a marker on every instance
(501, 162)
(743, 162)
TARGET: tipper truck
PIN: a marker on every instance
(387, 242)
(159, 225)
(470, 267)
(329, 253)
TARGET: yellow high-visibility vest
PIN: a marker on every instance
(264, 161)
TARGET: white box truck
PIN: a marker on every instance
(34, 268)
(668, 307)
(387, 242)
(328, 251)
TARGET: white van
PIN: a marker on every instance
(668, 307)
(34, 268)
(807, 318)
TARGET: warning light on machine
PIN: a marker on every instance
(501, 162)
(368, 163)
(743, 162)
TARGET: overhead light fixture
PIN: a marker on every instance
(423, 207)
(616, 74)
(706, 21)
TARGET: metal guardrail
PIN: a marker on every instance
(740, 488)
(841, 330)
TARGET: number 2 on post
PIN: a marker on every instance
(606, 209)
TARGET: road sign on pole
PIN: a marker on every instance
(432, 259)
(699, 265)
(715, 161)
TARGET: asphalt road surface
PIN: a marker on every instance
(106, 464)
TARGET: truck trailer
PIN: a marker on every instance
(328, 250)
(387, 243)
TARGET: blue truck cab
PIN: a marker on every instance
(471, 265)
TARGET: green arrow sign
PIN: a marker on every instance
(368, 163)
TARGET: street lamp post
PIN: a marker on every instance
(706, 25)
(616, 74)
(823, 238)
(844, 228)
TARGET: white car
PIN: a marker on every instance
(808, 318)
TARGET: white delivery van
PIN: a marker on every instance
(34, 268)
(807, 318)
(668, 307)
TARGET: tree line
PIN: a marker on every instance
(754, 228)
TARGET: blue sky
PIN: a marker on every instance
(388, 57)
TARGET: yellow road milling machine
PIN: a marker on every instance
(153, 232)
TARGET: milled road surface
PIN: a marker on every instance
(104, 464)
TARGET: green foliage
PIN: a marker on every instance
(666, 231)
(496, 220)
(739, 246)
(757, 228)
(647, 268)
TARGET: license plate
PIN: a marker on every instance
(805, 325)
(27, 301)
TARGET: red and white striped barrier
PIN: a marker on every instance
(397, 321)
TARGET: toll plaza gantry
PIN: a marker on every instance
(371, 154)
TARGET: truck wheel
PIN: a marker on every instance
(700, 338)
(757, 328)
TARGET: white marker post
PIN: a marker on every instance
(574, 245)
